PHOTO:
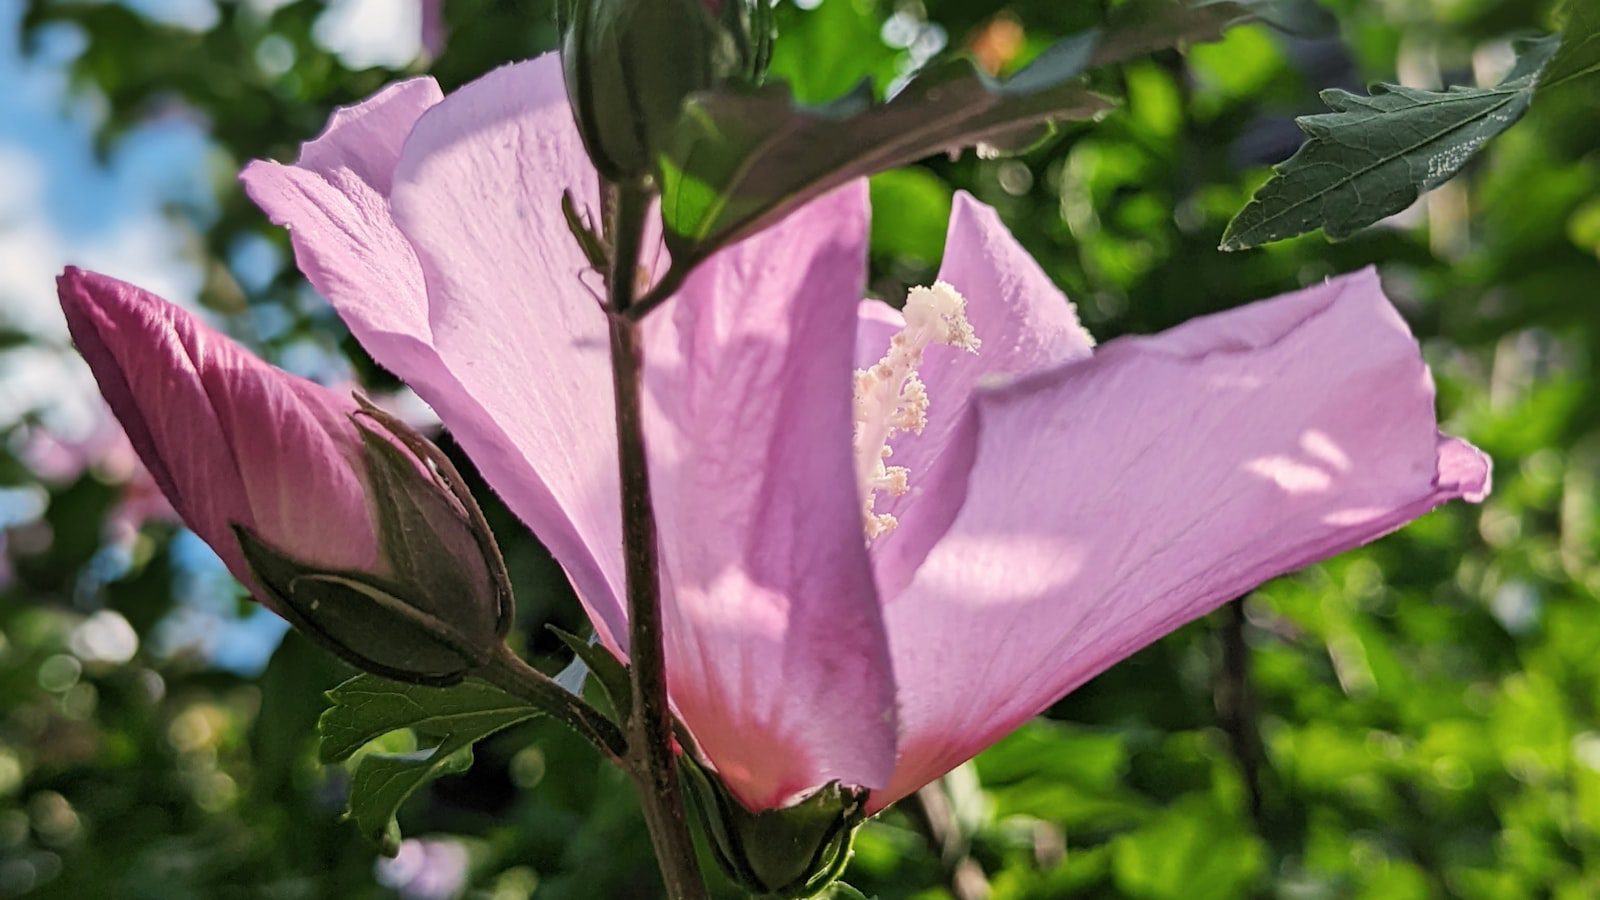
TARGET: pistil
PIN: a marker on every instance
(891, 399)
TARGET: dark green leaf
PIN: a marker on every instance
(365, 708)
(1373, 156)
(744, 159)
(1579, 55)
(383, 781)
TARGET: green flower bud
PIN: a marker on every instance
(794, 852)
(630, 64)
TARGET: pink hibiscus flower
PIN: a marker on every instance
(1050, 509)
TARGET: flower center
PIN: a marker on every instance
(890, 398)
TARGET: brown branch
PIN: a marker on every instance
(650, 758)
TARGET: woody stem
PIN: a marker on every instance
(650, 759)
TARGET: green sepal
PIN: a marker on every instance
(794, 852)
(448, 720)
(432, 530)
(753, 29)
(363, 621)
(439, 600)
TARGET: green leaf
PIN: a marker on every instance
(1373, 156)
(742, 159)
(383, 781)
(1579, 55)
(366, 707)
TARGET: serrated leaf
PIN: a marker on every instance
(1579, 55)
(366, 707)
(744, 158)
(1373, 156)
(383, 781)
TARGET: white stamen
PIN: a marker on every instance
(890, 398)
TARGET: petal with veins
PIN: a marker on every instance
(776, 654)
(1114, 499)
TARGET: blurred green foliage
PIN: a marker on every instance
(1415, 720)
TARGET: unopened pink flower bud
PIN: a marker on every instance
(332, 513)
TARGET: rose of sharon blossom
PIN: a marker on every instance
(832, 613)
(338, 505)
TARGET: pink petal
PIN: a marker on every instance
(1114, 500)
(514, 317)
(229, 439)
(876, 324)
(348, 243)
(366, 139)
(1025, 323)
(777, 659)
(335, 203)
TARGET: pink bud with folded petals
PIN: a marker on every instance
(229, 439)
(332, 513)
